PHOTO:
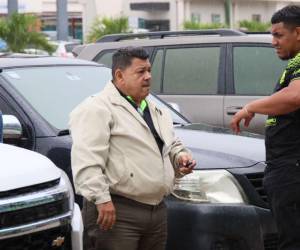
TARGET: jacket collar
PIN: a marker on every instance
(116, 99)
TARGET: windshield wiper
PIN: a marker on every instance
(63, 132)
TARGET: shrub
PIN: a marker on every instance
(106, 26)
(254, 26)
(191, 25)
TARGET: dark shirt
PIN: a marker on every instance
(283, 139)
(283, 131)
(148, 119)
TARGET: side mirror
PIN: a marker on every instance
(175, 106)
(12, 128)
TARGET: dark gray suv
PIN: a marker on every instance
(210, 74)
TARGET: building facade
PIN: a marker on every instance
(152, 14)
(171, 14)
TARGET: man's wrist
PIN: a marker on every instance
(249, 113)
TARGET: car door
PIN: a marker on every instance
(191, 76)
(9, 105)
(253, 70)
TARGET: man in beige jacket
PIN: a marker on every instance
(124, 159)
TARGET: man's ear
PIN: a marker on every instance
(298, 33)
(119, 75)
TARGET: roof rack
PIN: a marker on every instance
(257, 32)
(162, 34)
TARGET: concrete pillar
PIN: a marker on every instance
(12, 6)
(235, 15)
(187, 15)
(88, 16)
(62, 20)
(228, 13)
(173, 15)
(180, 14)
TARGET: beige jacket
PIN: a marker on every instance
(115, 152)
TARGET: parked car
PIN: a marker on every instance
(36, 51)
(61, 48)
(64, 48)
(210, 74)
(37, 209)
(221, 205)
(3, 45)
(41, 91)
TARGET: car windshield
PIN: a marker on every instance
(55, 90)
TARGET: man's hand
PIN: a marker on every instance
(186, 164)
(106, 215)
(242, 114)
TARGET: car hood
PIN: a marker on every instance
(22, 168)
(216, 148)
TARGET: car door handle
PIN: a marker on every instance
(233, 110)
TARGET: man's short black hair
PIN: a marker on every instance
(289, 15)
(122, 58)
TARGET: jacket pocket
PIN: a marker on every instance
(124, 184)
(116, 170)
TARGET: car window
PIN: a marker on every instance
(191, 70)
(156, 72)
(71, 46)
(62, 88)
(176, 117)
(55, 91)
(106, 56)
(256, 70)
(9, 107)
(106, 59)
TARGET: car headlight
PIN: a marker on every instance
(66, 187)
(209, 186)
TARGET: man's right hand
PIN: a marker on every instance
(243, 114)
(106, 215)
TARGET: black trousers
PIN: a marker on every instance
(138, 227)
(284, 197)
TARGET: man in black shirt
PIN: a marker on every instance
(282, 175)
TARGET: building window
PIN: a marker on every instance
(196, 17)
(256, 17)
(215, 18)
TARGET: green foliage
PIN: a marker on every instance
(18, 32)
(254, 26)
(192, 25)
(106, 26)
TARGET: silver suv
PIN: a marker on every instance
(210, 74)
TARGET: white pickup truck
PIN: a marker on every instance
(37, 209)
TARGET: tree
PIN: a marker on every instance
(19, 32)
(105, 26)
